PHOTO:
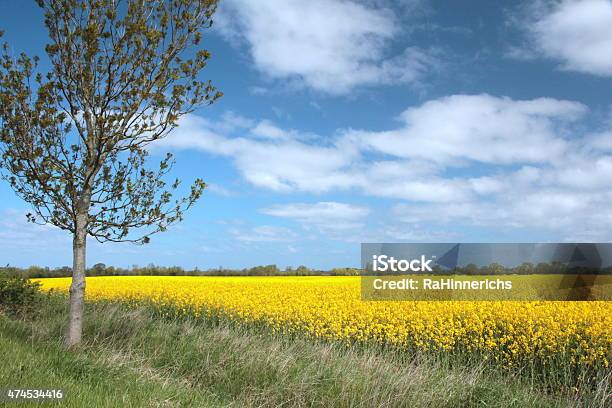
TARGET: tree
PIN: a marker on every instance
(470, 269)
(98, 269)
(496, 269)
(73, 142)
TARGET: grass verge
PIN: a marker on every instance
(131, 358)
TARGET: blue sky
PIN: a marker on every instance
(374, 121)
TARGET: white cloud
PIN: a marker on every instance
(577, 33)
(325, 215)
(327, 45)
(268, 130)
(464, 159)
(280, 164)
(567, 200)
(486, 185)
(582, 173)
(602, 141)
(415, 234)
(220, 190)
(481, 128)
(16, 232)
(432, 188)
(263, 233)
(455, 131)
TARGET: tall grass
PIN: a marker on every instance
(132, 357)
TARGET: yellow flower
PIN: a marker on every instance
(331, 307)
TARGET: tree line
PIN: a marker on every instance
(101, 269)
(526, 268)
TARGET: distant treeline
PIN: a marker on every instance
(101, 269)
(526, 268)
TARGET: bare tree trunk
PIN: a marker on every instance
(77, 288)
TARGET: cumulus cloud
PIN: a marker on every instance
(568, 198)
(406, 162)
(277, 163)
(577, 33)
(219, 189)
(325, 215)
(565, 212)
(481, 128)
(17, 233)
(263, 233)
(268, 130)
(471, 159)
(602, 141)
(327, 45)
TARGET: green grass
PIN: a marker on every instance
(131, 358)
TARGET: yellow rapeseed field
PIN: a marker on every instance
(579, 333)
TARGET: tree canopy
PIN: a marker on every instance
(74, 140)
